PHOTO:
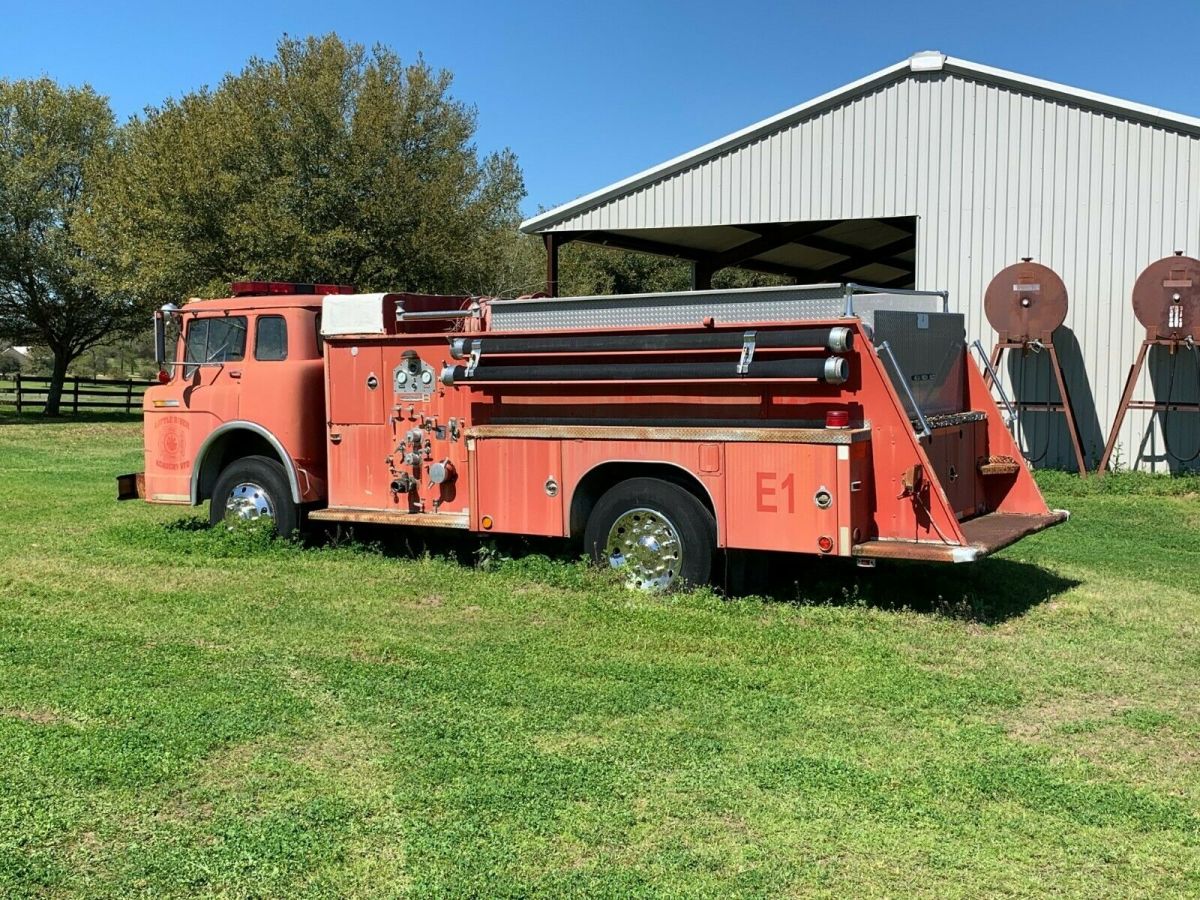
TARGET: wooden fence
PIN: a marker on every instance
(28, 393)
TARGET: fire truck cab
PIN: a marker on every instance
(239, 412)
(834, 420)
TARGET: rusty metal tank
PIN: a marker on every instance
(1026, 302)
(1166, 298)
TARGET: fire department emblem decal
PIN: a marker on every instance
(172, 442)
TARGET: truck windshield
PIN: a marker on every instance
(214, 340)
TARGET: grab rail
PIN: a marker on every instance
(433, 315)
(987, 364)
(925, 429)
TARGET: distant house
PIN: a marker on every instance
(12, 357)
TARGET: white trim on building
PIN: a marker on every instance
(924, 61)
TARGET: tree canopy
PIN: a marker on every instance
(54, 142)
(586, 269)
(326, 163)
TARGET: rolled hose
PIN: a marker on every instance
(831, 370)
(836, 339)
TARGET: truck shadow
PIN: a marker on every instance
(990, 591)
(9, 416)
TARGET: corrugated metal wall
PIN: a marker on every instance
(993, 174)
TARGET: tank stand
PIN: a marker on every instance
(1128, 403)
(1063, 407)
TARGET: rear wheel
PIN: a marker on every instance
(655, 533)
(254, 487)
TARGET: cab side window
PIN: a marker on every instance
(214, 340)
(270, 338)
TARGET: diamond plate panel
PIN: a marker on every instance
(795, 303)
(866, 305)
(930, 349)
(785, 304)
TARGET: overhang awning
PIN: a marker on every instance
(872, 251)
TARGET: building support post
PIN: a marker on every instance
(702, 273)
(552, 245)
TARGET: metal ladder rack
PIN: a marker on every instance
(792, 303)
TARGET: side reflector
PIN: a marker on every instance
(825, 544)
(486, 523)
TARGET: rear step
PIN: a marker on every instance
(984, 534)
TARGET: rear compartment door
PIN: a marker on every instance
(951, 452)
(358, 391)
(517, 483)
(781, 496)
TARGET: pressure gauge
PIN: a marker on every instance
(413, 379)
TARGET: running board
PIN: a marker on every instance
(389, 517)
(985, 535)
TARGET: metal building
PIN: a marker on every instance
(936, 173)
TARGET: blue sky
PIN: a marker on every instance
(588, 93)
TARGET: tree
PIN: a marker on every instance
(53, 142)
(325, 163)
(586, 269)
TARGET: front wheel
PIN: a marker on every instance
(655, 533)
(254, 487)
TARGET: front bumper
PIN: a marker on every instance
(131, 486)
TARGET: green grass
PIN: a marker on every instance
(186, 712)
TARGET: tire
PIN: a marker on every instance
(678, 535)
(259, 486)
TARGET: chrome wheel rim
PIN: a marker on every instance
(645, 545)
(246, 501)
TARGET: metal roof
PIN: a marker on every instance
(924, 62)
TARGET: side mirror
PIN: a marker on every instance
(160, 338)
(160, 332)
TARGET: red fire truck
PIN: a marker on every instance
(835, 420)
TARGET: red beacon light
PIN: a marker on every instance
(163, 376)
(261, 288)
(837, 418)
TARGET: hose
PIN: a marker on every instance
(1167, 411)
(831, 370)
(837, 339)
(1049, 392)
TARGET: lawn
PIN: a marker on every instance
(186, 712)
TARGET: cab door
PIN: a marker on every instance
(283, 386)
(214, 351)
